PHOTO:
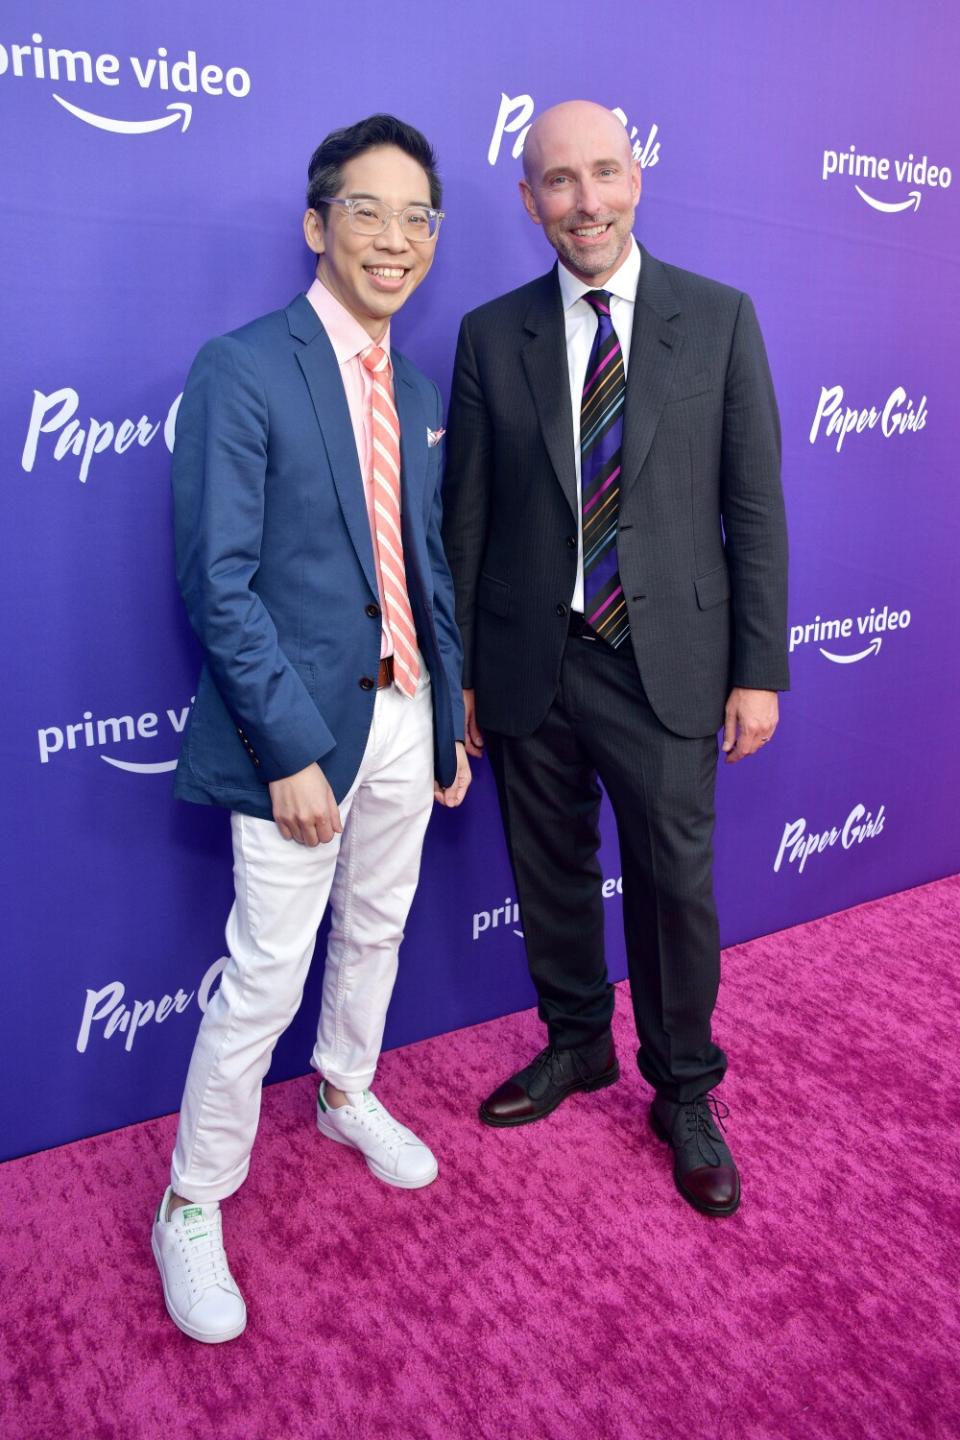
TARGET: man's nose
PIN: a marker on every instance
(393, 237)
(588, 198)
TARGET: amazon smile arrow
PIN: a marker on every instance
(156, 767)
(891, 207)
(872, 649)
(181, 114)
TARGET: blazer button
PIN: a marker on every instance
(571, 542)
(561, 609)
(373, 611)
(366, 683)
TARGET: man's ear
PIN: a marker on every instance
(529, 203)
(314, 233)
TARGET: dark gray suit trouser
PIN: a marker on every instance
(600, 729)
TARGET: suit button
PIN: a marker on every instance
(373, 611)
(561, 609)
(366, 683)
(571, 542)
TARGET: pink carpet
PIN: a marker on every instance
(552, 1285)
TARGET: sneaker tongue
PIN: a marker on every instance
(195, 1219)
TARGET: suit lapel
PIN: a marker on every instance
(545, 362)
(413, 437)
(322, 374)
(654, 350)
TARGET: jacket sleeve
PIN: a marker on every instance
(448, 634)
(467, 488)
(753, 512)
(219, 482)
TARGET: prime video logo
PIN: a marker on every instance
(873, 623)
(184, 74)
(92, 733)
(507, 915)
(875, 170)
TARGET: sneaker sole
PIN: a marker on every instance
(717, 1212)
(609, 1077)
(183, 1324)
(393, 1180)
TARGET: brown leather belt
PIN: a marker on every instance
(385, 673)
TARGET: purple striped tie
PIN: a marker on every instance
(601, 439)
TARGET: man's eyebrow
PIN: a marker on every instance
(365, 195)
(566, 169)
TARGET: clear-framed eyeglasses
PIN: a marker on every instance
(371, 217)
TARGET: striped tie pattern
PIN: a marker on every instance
(385, 467)
(601, 441)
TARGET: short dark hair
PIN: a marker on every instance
(325, 171)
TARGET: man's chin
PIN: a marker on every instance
(588, 261)
(594, 262)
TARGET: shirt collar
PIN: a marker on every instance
(344, 331)
(622, 283)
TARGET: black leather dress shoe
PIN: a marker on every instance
(703, 1168)
(540, 1087)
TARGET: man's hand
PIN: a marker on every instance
(750, 719)
(474, 737)
(304, 807)
(453, 795)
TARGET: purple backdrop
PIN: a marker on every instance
(153, 175)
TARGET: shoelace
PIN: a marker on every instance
(380, 1122)
(549, 1059)
(698, 1118)
(204, 1254)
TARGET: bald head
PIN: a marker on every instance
(573, 121)
(581, 184)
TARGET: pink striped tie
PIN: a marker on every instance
(385, 467)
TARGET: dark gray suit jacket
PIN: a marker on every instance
(701, 540)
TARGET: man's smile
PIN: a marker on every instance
(386, 277)
(596, 231)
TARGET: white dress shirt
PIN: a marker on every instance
(580, 322)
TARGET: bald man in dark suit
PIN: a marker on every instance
(615, 529)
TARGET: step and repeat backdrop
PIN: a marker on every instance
(153, 175)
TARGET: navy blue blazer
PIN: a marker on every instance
(275, 563)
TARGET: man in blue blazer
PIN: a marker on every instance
(329, 712)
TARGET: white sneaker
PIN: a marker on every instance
(392, 1152)
(201, 1295)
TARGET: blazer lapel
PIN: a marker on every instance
(654, 350)
(413, 437)
(322, 374)
(545, 362)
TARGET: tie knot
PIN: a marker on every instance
(599, 300)
(375, 360)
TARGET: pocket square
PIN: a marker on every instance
(434, 436)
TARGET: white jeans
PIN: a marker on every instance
(369, 875)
